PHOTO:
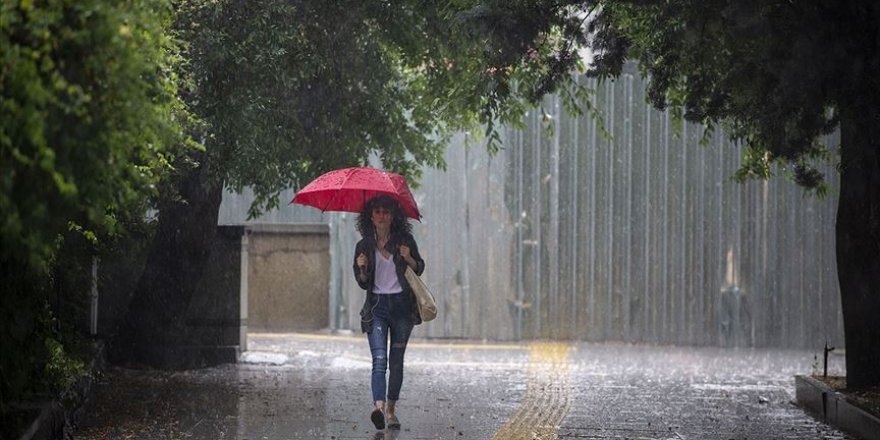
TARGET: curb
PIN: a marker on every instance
(49, 424)
(833, 408)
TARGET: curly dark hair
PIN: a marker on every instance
(399, 222)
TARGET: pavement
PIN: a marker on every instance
(316, 386)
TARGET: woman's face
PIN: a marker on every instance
(381, 218)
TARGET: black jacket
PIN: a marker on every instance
(367, 246)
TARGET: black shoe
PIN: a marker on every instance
(378, 418)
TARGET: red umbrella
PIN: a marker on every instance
(349, 189)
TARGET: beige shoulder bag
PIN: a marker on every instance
(427, 305)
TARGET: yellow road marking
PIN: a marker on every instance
(546, 402)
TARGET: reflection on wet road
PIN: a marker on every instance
(312, 386)
(546, 402)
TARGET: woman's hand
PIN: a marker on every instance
(361, 261)
(405, 253)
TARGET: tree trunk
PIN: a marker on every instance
(858, 242)
(154, 327)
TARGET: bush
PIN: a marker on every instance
(34, 363)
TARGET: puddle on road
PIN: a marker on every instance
(263, 357)
(736, 387)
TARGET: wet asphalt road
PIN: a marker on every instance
(313, 386)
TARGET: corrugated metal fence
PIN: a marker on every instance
(640, 237)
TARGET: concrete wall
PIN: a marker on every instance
(214, 319)
(288, 277)
(260, 277)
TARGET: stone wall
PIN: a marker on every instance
(288, 277)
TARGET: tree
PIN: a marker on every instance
(89, 111)
(89, 115)
(778, 75)
(287, 90)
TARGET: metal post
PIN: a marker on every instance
(553, 312)
(520, 211)
(827, 350)
(93, 296)
(574, 219)
(334, 308)
(609, 287)
(465, 244)
(243, 292)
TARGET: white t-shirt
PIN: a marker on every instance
(385, 280)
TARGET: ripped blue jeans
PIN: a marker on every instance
(391, 317)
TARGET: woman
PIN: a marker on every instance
(390, 308)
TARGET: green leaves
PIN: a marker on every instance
(771, 70)
(289, 90)
(90, 113)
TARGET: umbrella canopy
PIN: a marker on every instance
(349, 189)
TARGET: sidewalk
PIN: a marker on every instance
(309, 386)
